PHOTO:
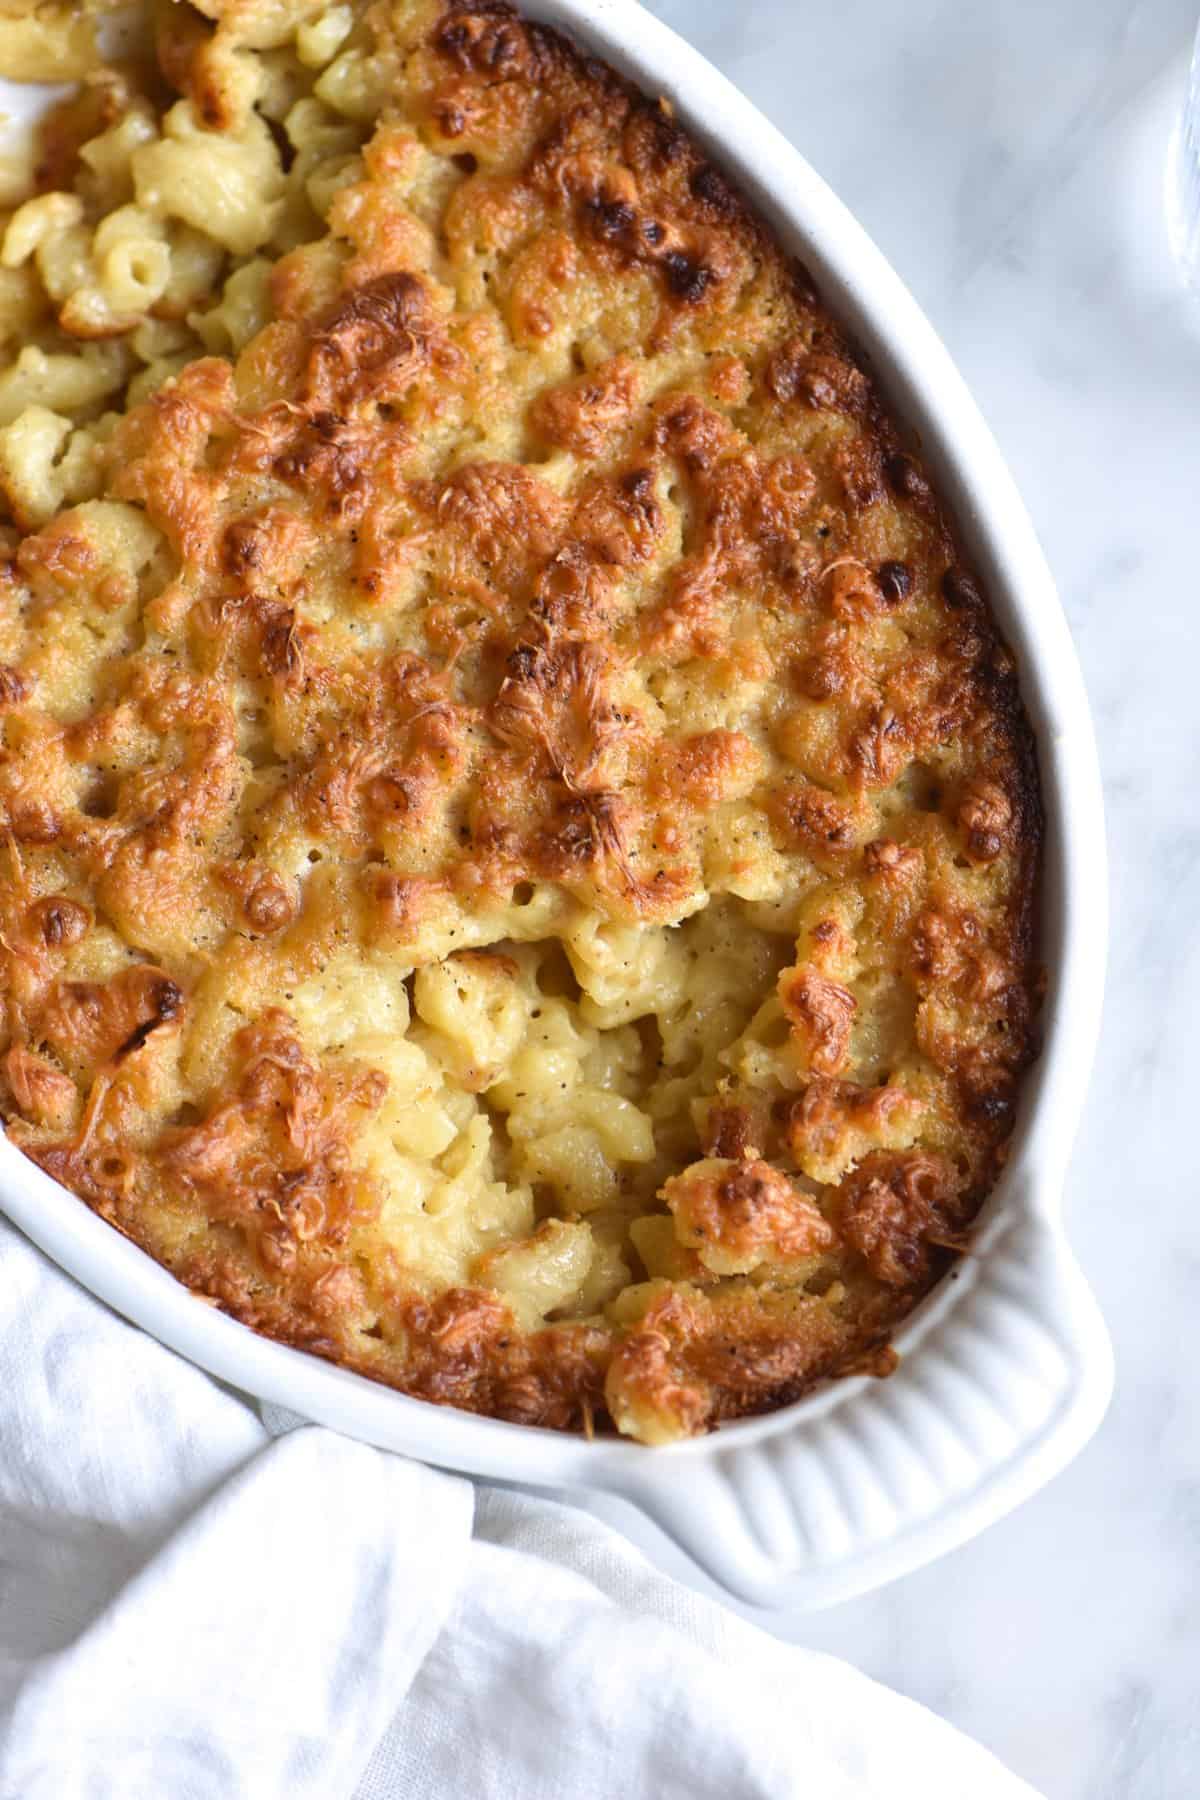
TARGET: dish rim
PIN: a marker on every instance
(928, 396)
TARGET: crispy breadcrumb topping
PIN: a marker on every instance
(519, 831)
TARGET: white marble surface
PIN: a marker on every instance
(1008, 159)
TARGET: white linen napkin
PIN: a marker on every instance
(198, 1603)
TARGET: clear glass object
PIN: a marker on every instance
(1183, 184)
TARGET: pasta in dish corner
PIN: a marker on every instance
(519, 832)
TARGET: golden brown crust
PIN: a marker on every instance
(695, 1360)
(736, 1214)
(546, 572)
(894, 1209)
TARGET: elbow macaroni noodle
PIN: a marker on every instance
(161, 250)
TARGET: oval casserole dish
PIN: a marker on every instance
(1005, 1370)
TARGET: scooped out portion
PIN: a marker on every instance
(519, 831)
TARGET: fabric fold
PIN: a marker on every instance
(573, 1668)
(201, 1600)
(265, 1648)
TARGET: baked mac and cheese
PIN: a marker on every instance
(519, 832)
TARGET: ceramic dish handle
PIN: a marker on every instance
(1000, 1384)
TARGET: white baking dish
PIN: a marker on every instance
(1006, 1368)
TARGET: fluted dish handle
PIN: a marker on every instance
(1004, 1375)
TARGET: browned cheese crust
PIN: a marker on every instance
(519, 831)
